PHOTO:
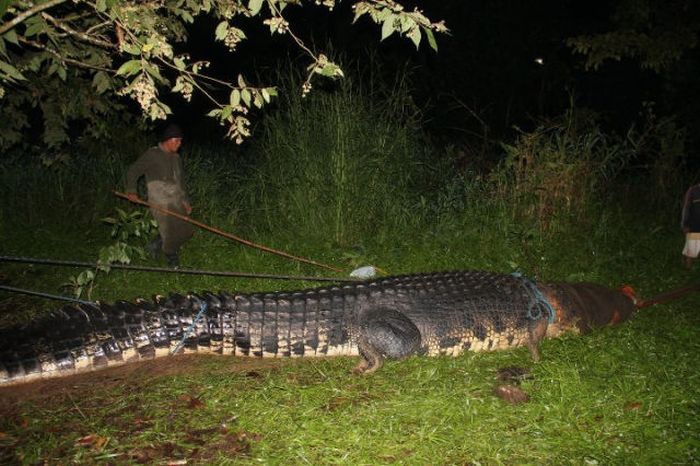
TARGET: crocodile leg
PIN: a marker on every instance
(536, 331)
(385, 333)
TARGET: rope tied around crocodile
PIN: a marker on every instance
(14, 289)
(538, 302)
(202, 309)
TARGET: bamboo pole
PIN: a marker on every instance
(227, 235)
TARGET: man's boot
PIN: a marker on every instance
(154, 248)
(173, 260)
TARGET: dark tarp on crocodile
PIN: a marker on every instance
(434, 314)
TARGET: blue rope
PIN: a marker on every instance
(47, 295)
(538, 302)
(202, 309)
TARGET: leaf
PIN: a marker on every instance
(388, 27)
(257, 100)
(431, 39)
(179, 63)
(155, 72)
(100, 5)
(186, 16)
(129, 68)
(132, 49)
(11, 36)
(235, 98)
(245, 95)
(95, 442)
(191, 402)
(101, 82)
(226, 112)
(254, 6)
(221, 30)
(414, 35)
(61, 71)
(34, 27)
(11, 71)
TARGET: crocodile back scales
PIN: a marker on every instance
(454, 311)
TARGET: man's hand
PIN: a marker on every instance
(133, 197)
(188, 207)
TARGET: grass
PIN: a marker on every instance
(619, 396)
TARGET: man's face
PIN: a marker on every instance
(172, 145)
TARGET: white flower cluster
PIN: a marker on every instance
(144, 91)
(184, 86)
(327, 3)
(233, 37)
(306, 88)
(277, 24)
(239, 129)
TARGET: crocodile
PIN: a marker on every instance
(443, 313)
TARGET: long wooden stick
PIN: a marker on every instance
(669, 295)
(228, 235)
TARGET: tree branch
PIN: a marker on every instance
(30, 12)
(78, 34)
(69, 61)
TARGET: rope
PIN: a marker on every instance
(538, 302)
(202, 309)
(47, 295)
(66, 263)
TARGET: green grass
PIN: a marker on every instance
(620, 396)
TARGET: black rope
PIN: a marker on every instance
(46, 295)
(140, 268)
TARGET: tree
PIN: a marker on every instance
(657, 34)
(72, 59)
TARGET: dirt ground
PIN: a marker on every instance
(47, 390)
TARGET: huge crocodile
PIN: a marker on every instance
(434, 314)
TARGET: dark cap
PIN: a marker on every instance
(171, 131)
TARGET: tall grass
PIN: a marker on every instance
(347, 173)
(337, 166)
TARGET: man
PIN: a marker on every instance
(162, 169)
(690, 223)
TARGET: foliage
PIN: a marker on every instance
(660, 145)
(655, 33)
(71, 60)
(340, 164)
(76, 284)
(126, 227)
(558, 171)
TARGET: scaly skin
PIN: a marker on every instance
(433, 314)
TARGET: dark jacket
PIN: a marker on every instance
(690, 218)
(165, 183)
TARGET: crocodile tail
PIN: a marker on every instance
(81, 338)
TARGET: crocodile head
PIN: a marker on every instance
(581, 307)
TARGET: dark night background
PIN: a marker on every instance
(484, 77)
